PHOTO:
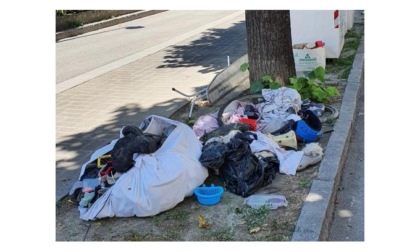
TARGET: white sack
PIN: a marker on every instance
(158, 181)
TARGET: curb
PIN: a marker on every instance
(103, 24)
(317, 210)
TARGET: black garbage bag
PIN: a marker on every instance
(134, 141)
(214, 151)
(131, 131)
(213, 155)
(270, 164)
(241, 171)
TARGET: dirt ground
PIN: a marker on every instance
(229, 220)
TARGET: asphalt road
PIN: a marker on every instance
(84, 53)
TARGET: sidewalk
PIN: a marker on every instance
(90, 115)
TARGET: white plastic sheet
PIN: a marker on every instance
(158, 181)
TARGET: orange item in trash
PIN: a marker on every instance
(252, 123)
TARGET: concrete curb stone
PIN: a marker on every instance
(316, 212)
(103, 24)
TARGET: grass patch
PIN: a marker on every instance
(254, 217)
(287, 226)
(304, 183)
(175, 214)
(223, 234)
(219, 234)
(171, 224)
(189, 122)
(134, 236)
(97, 237)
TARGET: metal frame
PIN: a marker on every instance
(203, 93)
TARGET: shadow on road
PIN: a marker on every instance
(210, 51)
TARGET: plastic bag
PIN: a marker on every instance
(270, 163)
(273, 201)
(213, 155)
(242, 172)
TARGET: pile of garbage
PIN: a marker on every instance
(153, 167)
(250, 142)
(150, 169)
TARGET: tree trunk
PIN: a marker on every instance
(270, 45)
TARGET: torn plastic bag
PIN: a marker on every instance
(158, 181)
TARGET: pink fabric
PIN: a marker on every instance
(205, 124)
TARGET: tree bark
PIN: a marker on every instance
(269, 41)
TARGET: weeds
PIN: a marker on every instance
(254, 217)
(97, 237)
(223, 234)
(174, 214)
(134, 236)
(304, 183)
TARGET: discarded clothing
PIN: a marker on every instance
(289, 160)
(205, 124)
(237, 110)
(224, 130)
(280, 106)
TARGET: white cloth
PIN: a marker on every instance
(289, 160)
(274, 111)
(158, 181)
